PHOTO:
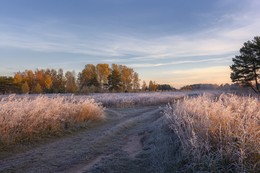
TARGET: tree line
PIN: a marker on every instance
(120, 78)
(93, 78)
(117, 78)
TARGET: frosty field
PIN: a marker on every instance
(31, 117)
(26, 119)
(217, 134)
(131, 132)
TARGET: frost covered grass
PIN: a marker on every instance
(217, 134)
(135, 99)
(26, 118)
(139, 99)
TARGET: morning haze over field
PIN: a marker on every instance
(170, 41)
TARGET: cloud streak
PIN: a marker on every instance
(213, 45)
(207, 42)
(180, 62)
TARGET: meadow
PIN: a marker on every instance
(217, 134)
(27, 118)
(32, 117)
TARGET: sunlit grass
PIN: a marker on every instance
(218, 134)
(27, 118)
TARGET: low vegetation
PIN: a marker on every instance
(217, 134)
(139, 99)
(29, 118)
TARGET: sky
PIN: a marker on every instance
(177, 42)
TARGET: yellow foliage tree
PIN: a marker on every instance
(38, 89)
(102, 73)
(18, 78)
(25, 88)
(48, 81)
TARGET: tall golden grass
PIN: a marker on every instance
(217, 134)
(27, 118)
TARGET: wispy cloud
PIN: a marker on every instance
(181, 62)
(218, 42)
(207, 42)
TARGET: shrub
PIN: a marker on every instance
(218, 134)
(27, 118)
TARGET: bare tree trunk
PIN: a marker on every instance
(252, 87)
(256, 82)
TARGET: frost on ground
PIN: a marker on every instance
(133, 136)
(30, 117)
(122, 100)
(26, 119)
(105, 147)
(217, 134)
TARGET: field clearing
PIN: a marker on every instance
(219, 134)
(26, 118)
(195, 132)
(121, 100)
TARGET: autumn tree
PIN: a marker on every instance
(29, 78)
(152, 86)
(246, 67)
(37, 89)
(58, 81)
(116, 67)
(18, 78)
(47, 80)
(102, 74)
(88, 78)
(25, 88)
(39, 78)
(136, 81)
(127, 78)
(70, 85)
(144, 86)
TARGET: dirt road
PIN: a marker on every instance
(129, 140)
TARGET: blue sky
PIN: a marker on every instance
(170, 41)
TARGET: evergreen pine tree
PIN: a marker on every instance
(246, 67)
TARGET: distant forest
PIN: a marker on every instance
(93, 78)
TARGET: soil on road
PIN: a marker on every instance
(129, 140)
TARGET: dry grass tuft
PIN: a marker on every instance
(218, 135)
(26, 118)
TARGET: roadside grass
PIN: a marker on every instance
(220, 134)
(24, 119)
(124, 100)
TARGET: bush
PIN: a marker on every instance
(218, 135)
(27, 118)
